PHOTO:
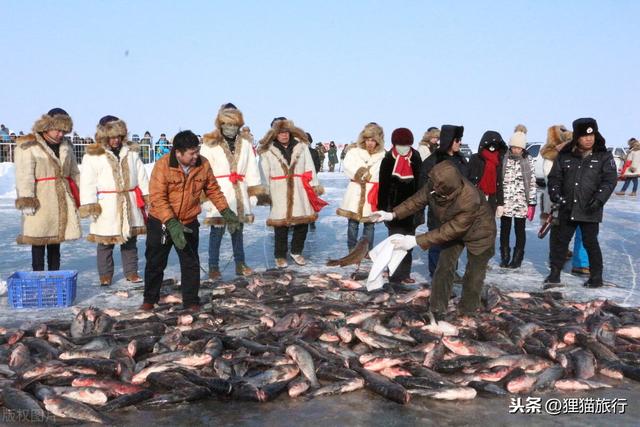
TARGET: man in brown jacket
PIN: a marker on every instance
(466, 220)
(177, 180)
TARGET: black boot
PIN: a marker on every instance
(553, 278)
(518, 256)
(505, 255)
(595, 281)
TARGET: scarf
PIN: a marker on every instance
(488, 180)
(402, 167)
(55, 147)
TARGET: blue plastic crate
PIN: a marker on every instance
(42, 289)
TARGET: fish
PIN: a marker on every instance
(355, 257)
(305, 362)
(67, 408)
(383, 386)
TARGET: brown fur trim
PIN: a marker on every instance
(37, 241)
(92, 209)
(147, 200)
(95, 149)
(319, 190)
(27, 202)
(292, 221)
(556, 136)
(230, 116)
(26, 141)
(374, 131)
(256, 190)
(111, 130)
(136, 231)
(354, 216)
(59, 121)
(105, 240)
(520, 128)
(245, 133)
(360, 174)
(212, 138)
(218, 221)
(279, 126)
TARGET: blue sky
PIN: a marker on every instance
(330, 66)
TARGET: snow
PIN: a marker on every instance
(619, 239)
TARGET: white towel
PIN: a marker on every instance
(383, 255)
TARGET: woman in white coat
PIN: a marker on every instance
(362, 166)
(114, 190)
(230, 154)
(291, 182)
(632, 172)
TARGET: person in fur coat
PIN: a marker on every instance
(234, 165)
(632, 172)
(114, 190)
(399, 172)
(46, 185)
(362, 167)
(429, 143)
(292, 185)
(517, 200)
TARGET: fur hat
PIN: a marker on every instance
(402, 136)
(432, 132)
(519, 137)
(281, 125)
(230, 115)
(633, 143)
(56, 118)
(110, 127)
(587, 126)
(371, 130)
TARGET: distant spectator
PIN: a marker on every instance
(333, 156)
(321, 150)
(162, 146)
(4, 140)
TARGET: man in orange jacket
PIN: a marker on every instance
(177, 180)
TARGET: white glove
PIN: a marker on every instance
(499, 211)
(29, 211)
(405, 243)
(380, 216)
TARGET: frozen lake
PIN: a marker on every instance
(619, 238)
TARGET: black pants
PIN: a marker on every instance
(505, 232)
(560, 244)
(157, 254)
(281, 235)
(53, 257)
(404, 269)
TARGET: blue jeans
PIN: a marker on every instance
(215, 239)
(580, 257)
(352, 233)
(434, 256)
(627, 181)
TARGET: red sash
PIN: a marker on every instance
(316, 202)
(75, 192)
(139, 199)
(233, 177)
(372, 195)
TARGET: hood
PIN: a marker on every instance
(276, 128)
(492, 137)
(446, 180)
(447, 134)
(371, 130)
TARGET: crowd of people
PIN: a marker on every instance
(224, 174)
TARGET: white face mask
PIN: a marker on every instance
(403, 149)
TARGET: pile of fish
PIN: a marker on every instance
(281, 332)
